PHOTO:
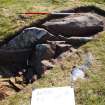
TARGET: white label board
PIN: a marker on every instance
(53, 96)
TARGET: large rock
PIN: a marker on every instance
(83, 24)
(60, 47)
(45, 51)
(28, 38)
(42, 51)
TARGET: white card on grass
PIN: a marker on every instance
(53, 96)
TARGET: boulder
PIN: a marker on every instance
(42, 51)
(45, 51)
(60, 48)
(28, 38)
(79, 24)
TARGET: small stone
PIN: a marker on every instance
(20, 73)
(47, 64)
(34, 78)
(19, 80)
(16, 86)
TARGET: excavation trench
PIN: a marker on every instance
(67, 32)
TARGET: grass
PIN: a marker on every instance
(89, 92)
(92, 92)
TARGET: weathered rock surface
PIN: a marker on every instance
(28, 38)
(62, 48)
(13, 81)
(46, 64)
(83, 24)
(59, 47)
(42, 51)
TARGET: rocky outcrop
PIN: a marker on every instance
(83, 24)
(28, 38)
(34, 48)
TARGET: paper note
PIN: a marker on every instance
(53, 96)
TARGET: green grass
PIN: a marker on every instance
(96, 1)
(92, 92)
(89, 92)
